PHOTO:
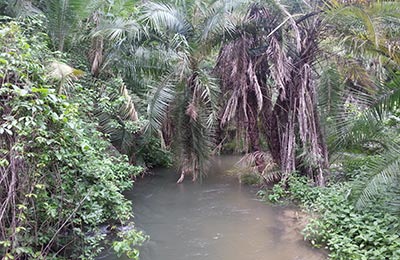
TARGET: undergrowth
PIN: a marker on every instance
(60, 178)
(336, 224)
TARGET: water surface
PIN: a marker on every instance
(218, 219)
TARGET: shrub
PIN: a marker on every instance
(338, 226)
(59, 177)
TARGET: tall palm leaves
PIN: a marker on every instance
(365, 85)
(369, 29)
(188, 92)
(382, 180)
(382, 177)
(367, 52)
(63, 16)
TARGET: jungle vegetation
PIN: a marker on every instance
(94, 92)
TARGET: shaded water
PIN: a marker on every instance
(218, 219)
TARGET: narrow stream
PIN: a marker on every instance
(218, 219)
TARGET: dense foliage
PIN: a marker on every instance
(306, 87)
(337, 225)
(60, 177)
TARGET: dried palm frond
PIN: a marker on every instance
(258, 164)
(127, 110)
(267, 75)
(64, 74)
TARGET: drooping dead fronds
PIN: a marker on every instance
(267, 75)
(242, 79)
(97, 48)
(127, 109)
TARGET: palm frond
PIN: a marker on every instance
(368, 32)
(370, 29)
(194, 136)
(357, 117)
(163, 16)
(160, 98)
(62, 16)
(120, 29)
(139, 62)
(207, 94)
(382, 178)
(390, 97)
(330, 90)
(260, 164)
(64, 75)
(223, 18)
(202, 142)
(128, 110)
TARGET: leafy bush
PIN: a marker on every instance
(338, 226)
(59, 177)
(153, 155)
(276, 195)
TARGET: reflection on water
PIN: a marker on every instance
(218, 219)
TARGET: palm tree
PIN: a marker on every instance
(187, 95)
(361, 88)
(268, 72)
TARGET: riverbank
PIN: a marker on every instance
(335, 224)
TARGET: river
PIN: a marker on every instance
(218, 219)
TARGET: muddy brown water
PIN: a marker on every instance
(218, 219)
